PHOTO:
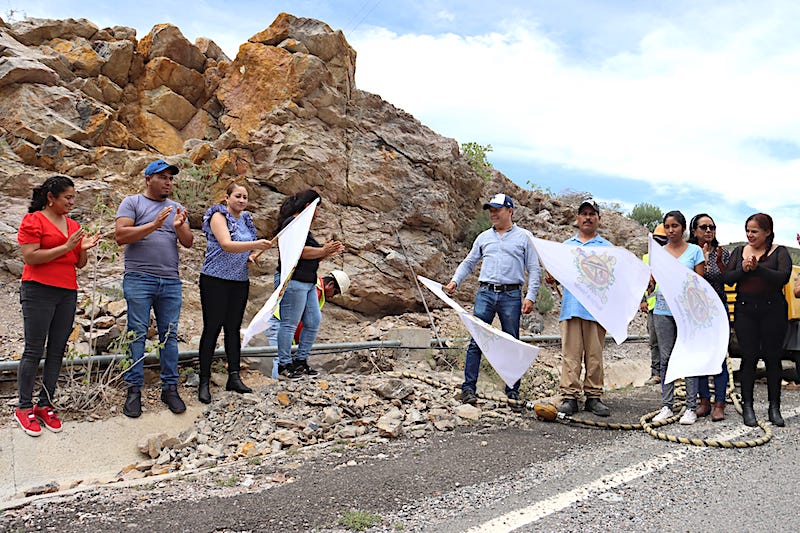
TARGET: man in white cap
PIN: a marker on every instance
(337, 282)
(507, 254)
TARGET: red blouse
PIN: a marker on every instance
(60, 272)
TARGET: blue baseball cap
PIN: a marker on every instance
(160, 166)
(499, 200)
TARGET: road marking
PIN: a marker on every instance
(527, 515)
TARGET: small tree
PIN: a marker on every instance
(647, 215)
(475, 154)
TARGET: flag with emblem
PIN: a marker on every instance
(607, 280)
(509, 356)
(291, 241)
(700, 317)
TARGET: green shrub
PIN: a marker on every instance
(359, 520)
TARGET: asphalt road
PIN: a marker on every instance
(534, 476)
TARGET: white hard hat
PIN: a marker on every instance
(342, 280)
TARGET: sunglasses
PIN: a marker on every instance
(706, 227)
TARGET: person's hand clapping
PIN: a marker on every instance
(333, 248)
(74, 239)
(180, 217)
(90, 242)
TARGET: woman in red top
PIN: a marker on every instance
(53, 246)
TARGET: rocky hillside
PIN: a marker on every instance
(98, 104)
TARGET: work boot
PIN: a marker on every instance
(173, 400)
(203, 394)
(568, 407)
(597, 407)
(718, 413)
(774, 414)
(748, 415)
(133, 403)
(235, 384)
(703, 408)
(519, 405)
(468, 396)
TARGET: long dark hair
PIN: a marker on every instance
(295, 204)
(693, 227)
(764, 222)
(677, 215)
(54, 185)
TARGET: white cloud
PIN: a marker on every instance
(683, 109)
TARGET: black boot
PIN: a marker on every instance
(774, 414)
(203, 394)
(748, 414)
(235, 384)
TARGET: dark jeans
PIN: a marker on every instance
(47, 314)
(720, 384)
(508, 307)
(760, 323)
(223, 303)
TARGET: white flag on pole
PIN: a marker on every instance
(700, 317)
(291, 241)
(607, 280)
(510, 357)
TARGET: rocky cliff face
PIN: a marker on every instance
(284, 115)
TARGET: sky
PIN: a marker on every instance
(683, 104)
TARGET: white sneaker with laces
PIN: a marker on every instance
(663, 415)
(688, 418)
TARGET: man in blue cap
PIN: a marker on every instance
(150, 225)
(507, 254)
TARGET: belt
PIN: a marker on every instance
(500, 288)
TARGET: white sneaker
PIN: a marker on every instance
(663, 415)
(688, 418)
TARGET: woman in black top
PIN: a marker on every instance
(760, 269)
(299, 301)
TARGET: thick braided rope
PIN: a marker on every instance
(645, 422)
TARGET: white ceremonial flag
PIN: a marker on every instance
(291, 241)
(510, 357)
(436, 288)
(700, 316)
(608, 281)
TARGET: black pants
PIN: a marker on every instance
(47, 314)
(223, 303)
(760, 323)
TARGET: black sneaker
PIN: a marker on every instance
(301, 367)
(569, 407)
(289, 372)
(518, 406)
(133, 403)
(469, 396)
(170, 397)
(597, 407)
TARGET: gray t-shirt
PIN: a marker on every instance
(156, 254)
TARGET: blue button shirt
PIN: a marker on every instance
(505, 257)
(570, 306)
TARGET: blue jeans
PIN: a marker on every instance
(299, 303)
(271, 334)
(163, 295)
(507, 306)
(720, 384)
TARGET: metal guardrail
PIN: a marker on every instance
(269, 351)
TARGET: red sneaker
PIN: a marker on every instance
(48, 416)
(27, 420)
